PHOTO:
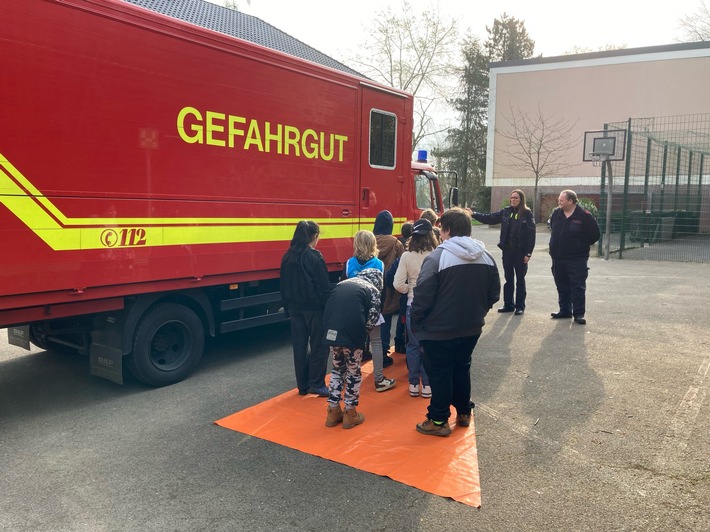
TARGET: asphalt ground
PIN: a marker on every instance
(596, 427)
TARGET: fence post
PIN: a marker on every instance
(625, 208)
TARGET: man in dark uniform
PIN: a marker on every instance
(573, 231)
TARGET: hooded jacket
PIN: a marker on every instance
(384, 223)
(457, 286)
(390, 249)
(353, 309)
(353, 266)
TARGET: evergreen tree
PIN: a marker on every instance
(466, 145)
(465, 150)
(508, 40)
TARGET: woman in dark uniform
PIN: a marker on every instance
(517, 240)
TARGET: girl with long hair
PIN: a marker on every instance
(305, 288)
(365, 257)
(422, 243)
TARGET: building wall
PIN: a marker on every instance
(591, 90)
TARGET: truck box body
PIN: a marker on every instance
(141, 154)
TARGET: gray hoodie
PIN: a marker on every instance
(457, 286)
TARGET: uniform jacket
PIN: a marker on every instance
(571, 236)
(526, 236)
(353, 309)
(305, 284)
(457, 286)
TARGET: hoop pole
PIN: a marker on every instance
(608, 209)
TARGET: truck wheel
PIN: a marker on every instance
(37, 338)
(167, 345)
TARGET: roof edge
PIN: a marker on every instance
(679, 47)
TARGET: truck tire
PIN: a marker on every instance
(167, 345)
(37, 338)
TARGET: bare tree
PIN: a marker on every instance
(231, 4)
(538, 144)
(603, 48)
(696, 26)
(414, 52)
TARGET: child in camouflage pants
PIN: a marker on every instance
(352, 310)
(346, 374)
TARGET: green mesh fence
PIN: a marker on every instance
(661, 191)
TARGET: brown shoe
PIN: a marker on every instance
(463, 420)
(432, 429)
(335, 416)
(351, 418)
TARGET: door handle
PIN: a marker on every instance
(365, 197)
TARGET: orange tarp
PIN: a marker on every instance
(386, 444)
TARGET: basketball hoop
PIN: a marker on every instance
(598, 159)
(605, 145)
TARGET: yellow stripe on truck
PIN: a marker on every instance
(61, 233)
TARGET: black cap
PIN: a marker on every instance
(421, 227)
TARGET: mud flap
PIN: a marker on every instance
(19, 336)
(106, 362)
(106, 352)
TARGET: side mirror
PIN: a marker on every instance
(454, 197)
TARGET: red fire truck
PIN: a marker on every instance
(152, 173)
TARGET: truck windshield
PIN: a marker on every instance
(426, 185)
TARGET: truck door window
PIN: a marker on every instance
(383, 139)
(425, 194)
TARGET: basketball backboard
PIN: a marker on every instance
(609, 144)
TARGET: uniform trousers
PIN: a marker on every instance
(571, 280)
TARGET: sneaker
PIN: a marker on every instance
(387, 361)
(352, 418)
(320, 392)
(335, 416)
(384, 384)
(463, 420)
(414, 390)
(426, 392)
(430, 428)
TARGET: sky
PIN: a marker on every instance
(335, 27)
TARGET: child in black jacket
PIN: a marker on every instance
(351, 312)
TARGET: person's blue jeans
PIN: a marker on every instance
(415, 366)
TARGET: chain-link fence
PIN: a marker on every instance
(661, 191)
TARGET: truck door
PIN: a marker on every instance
(385, 154)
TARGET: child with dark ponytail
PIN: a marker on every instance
(305, 288)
